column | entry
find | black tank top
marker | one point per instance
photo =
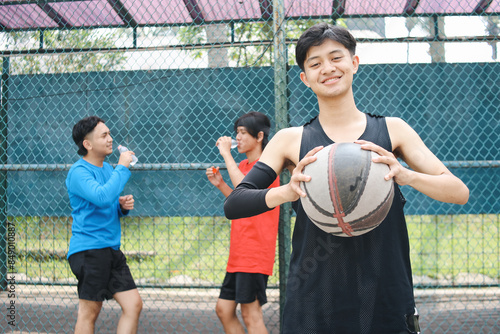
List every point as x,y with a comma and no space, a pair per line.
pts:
353,285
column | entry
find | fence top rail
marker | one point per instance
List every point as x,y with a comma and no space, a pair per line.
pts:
204,166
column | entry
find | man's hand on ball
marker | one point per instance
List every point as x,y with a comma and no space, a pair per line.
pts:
400,174
297,175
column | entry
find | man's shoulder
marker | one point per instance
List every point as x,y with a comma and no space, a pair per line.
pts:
394,119
76,173
396,124
79,164
283,149
288,139
290,132
400,132
82,167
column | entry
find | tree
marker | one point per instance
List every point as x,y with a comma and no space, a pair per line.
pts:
411,23
217,33
77,61
493,29
256,54
436,50
430,25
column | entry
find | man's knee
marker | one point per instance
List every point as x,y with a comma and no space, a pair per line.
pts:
225,310
130,302
252,313
136,306
133,307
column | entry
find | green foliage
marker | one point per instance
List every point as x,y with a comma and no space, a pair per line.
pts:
192,35
78,60
256,54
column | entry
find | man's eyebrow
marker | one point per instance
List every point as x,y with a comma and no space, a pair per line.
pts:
308,60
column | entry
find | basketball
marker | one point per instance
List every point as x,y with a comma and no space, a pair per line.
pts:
347,195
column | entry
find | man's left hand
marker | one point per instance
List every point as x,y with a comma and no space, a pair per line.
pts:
127,202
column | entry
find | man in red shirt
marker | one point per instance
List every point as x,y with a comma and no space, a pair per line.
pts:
253,239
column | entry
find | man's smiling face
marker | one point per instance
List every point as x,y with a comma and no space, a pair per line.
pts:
329,69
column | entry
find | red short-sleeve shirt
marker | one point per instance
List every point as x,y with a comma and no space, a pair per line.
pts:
253,239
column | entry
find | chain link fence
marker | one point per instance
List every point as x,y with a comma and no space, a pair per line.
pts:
170,78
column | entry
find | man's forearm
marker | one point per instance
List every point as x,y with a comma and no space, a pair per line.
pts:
249,197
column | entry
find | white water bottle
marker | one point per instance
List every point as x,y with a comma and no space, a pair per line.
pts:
234,143
124,149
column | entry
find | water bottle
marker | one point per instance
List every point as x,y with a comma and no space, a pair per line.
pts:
234,143
124,149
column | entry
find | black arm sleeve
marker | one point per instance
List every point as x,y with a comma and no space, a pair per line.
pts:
249,197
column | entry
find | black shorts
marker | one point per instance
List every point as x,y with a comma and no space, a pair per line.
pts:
244,288
101,273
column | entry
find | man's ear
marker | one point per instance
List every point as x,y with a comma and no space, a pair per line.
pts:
355,63
303,77
87,144
260,136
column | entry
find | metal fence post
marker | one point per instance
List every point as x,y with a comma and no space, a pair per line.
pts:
3,174
281,118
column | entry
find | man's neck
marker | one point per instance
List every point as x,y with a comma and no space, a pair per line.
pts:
254,154
337,111
341,120
93,160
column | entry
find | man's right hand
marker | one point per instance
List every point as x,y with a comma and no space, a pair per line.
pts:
291,191
224,145
297,176
126,158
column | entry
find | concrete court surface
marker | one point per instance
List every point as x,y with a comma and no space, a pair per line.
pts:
44,309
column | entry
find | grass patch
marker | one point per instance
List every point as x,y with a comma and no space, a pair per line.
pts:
443,246
161,248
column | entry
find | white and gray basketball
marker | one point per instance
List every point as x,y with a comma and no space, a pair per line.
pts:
347,195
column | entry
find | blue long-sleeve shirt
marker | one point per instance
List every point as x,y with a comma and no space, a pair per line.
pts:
93,193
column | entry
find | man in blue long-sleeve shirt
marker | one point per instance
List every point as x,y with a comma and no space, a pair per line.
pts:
94,254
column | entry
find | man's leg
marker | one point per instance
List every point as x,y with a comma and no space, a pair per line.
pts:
88,311
226,311
131,304
253,318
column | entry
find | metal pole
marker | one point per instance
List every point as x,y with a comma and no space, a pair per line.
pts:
41,39
3,174
281,117
134,37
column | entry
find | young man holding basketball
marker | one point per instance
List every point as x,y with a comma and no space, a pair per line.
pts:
253,239
94,254
361,284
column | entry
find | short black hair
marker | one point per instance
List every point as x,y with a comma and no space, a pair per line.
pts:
317,34
255,122
82,129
